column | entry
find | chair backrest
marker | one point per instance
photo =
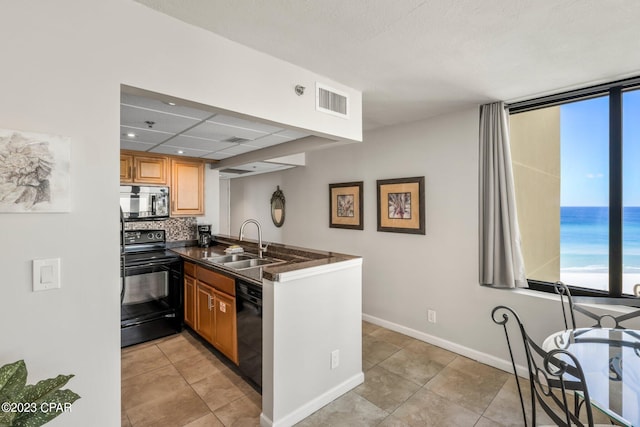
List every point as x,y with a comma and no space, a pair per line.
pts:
565,295
602,320
554,376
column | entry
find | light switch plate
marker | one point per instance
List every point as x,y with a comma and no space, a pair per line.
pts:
46,274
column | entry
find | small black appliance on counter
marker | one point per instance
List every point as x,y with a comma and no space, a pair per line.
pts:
204,235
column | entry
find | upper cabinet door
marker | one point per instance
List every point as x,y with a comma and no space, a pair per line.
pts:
126,168
150,170
143,169
187,187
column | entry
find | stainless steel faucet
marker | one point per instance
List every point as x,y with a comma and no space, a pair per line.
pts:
261,248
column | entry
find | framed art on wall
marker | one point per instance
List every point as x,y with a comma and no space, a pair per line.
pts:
401,205
345,205
34,172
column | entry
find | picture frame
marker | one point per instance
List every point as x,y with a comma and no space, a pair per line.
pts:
35,172
346,205
401,205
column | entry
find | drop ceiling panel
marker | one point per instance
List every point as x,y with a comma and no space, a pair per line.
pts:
242,123
238,149
154,104
198,143
134,145
209,128
144,135
137,117
167,149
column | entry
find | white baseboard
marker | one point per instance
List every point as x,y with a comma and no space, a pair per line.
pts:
312,406
487,359
265,421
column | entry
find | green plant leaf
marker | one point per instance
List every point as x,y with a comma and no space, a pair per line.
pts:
53,406
6,418
13,377
47,400
39,391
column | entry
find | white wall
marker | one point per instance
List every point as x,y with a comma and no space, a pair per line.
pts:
252,199
64,62
224,213
212,199
299,340
405,275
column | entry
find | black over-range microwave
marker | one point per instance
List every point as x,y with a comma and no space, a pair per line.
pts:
144,202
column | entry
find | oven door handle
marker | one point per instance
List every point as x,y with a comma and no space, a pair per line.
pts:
152,263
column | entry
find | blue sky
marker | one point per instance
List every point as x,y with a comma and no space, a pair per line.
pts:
584,133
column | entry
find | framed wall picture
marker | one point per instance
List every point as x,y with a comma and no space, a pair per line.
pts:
345,205
34,172
401,205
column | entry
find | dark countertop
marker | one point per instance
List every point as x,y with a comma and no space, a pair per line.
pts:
295,258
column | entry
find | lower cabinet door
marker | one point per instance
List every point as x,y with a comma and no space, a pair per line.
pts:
225,337
190,301
205,314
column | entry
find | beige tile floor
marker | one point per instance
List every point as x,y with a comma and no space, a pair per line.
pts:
177,381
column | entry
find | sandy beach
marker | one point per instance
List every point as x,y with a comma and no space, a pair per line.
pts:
599,280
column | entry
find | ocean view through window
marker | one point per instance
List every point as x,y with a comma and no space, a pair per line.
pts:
577,179
584,193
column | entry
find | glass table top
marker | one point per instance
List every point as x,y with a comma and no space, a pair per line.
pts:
610,359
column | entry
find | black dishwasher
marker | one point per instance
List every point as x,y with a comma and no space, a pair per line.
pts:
249,323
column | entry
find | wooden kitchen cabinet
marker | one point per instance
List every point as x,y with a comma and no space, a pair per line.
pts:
187,187
126,168
205,313
226,335
141,169
215,311
190,294
184,176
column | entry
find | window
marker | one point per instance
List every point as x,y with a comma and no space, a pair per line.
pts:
576,165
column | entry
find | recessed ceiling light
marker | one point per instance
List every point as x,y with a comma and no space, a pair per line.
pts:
131,135
173,104
180,152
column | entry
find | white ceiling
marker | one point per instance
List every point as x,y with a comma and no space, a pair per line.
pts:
150,123
414,59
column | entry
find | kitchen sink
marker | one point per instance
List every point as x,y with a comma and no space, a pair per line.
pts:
252,263
222,259
242,261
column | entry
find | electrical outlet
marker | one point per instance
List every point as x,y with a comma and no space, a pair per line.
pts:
335,359
431,316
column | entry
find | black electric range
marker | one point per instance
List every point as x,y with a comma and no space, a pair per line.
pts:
151,292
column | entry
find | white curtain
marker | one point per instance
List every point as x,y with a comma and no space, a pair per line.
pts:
501,262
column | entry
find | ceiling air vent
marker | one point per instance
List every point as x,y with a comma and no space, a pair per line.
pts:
236,140
331,101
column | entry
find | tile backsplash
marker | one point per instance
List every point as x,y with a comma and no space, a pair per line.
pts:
175,228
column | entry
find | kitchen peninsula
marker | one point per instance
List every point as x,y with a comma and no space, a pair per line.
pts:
311,324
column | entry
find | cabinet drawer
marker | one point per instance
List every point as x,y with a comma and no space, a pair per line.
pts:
217,280
189,269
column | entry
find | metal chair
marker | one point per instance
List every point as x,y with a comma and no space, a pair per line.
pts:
554,377
602,320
